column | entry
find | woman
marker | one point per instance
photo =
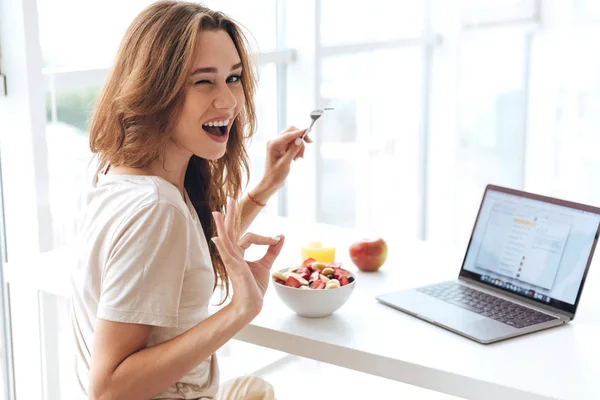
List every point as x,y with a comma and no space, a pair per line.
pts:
169,131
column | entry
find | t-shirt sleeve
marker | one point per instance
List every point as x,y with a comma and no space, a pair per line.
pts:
143,276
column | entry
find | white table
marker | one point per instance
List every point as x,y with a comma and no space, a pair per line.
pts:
367,336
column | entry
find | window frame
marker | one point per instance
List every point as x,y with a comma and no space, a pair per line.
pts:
8,373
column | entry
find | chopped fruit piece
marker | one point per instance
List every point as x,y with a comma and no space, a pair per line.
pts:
318,285
317,266
339,272
332,284
308,262
292,282
280,275
308,277
299,278
303,272
314,276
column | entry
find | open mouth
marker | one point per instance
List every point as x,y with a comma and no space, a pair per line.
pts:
216,128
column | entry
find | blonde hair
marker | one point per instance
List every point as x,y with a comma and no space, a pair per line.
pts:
142,101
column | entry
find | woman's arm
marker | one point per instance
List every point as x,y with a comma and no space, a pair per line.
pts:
124,368
250,209
280,154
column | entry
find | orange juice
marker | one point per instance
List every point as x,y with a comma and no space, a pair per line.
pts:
317,251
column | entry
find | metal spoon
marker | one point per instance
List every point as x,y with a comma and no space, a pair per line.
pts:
314,115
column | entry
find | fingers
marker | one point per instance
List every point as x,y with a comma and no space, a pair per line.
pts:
252,238
230,218
221,249
223,238
273,252
293,152
289,129
300,153
288,142
287,138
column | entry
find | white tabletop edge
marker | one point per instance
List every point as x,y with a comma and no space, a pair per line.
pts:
398,370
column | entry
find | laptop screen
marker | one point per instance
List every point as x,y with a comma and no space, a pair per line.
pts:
536,247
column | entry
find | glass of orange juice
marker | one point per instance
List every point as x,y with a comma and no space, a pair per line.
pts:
318,251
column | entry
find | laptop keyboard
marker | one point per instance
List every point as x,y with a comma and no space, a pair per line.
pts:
487,305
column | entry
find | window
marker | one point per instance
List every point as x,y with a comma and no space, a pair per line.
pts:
371,70
497,12
370,138
266,113
68,110
6,386
257,17
478,112
380,21
491,120
433,100
371,66
74,34
565,100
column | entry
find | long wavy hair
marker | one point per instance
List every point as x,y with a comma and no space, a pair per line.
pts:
142,101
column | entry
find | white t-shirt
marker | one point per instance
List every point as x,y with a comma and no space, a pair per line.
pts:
142,258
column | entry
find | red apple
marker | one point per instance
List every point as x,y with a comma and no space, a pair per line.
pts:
369,255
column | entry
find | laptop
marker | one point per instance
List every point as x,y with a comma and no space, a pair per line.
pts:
523,271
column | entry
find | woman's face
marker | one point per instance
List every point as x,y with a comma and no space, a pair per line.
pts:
213,98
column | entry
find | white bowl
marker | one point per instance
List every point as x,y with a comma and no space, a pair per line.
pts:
314,303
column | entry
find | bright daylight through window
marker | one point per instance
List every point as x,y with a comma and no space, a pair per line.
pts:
433,100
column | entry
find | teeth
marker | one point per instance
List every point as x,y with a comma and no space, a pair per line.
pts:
217,123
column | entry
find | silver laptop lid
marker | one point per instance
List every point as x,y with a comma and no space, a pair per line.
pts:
533,246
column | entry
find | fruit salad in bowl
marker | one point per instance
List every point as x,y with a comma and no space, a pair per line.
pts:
314,289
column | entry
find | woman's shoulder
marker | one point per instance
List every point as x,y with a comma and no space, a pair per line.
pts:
136,192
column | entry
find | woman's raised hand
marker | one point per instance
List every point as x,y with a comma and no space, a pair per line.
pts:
281,151
249,279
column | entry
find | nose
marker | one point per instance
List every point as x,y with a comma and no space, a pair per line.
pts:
224,99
